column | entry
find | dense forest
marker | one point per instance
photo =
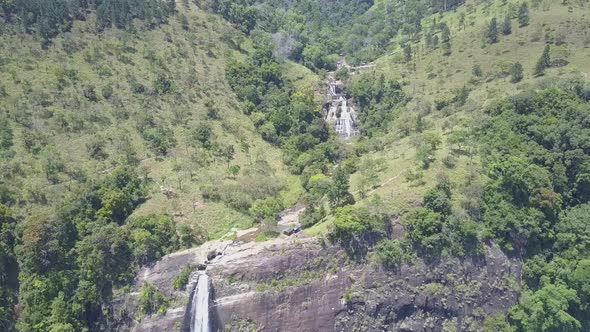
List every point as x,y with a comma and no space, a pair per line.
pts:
171,107
315,33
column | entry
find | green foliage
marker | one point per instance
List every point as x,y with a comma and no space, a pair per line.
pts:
152,301
50,17
316,56
516,72
407,48
338,194
6,134
476,70
492,31
242,13
378,100
356,228
88,237
536,203
282,116
438,199
445,39
461,96
523,14
369,170
8,268
390,253
425,232
544,61
426,146
151,237
312,216
181,279
164,85
342,74
315,32
266,208
203,134
507,26
442,102
546,310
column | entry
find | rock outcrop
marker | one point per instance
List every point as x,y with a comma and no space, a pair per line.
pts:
303,284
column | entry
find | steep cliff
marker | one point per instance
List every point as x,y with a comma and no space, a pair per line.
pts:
303,284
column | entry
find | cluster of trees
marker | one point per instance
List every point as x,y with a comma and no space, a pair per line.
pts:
432,39
283,116
316,32
72,257
242,13
494,28
378,100
537,203
50,17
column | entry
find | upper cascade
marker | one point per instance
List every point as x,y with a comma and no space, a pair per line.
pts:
339,111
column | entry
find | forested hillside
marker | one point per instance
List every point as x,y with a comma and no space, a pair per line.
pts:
132,129
119,144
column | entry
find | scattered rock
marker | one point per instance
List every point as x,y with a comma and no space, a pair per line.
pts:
211,254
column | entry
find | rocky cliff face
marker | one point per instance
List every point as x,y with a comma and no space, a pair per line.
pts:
308,285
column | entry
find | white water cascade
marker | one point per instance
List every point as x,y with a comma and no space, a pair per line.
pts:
345,125
200,306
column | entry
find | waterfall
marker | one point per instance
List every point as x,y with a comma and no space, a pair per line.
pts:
200,306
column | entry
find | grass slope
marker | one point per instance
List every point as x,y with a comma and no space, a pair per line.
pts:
431,75
46,96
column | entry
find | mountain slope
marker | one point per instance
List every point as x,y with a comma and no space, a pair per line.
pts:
101,127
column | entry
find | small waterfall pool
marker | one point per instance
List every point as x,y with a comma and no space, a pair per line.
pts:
200,305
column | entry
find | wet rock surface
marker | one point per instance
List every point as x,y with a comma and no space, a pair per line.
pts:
304,284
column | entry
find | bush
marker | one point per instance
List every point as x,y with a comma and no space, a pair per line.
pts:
266,208
181,279
390,253
425,232
313,216
442,102
356,228
152,301
449,161
236,199
152,237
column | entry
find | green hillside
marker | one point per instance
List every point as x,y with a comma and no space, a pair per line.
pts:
136,128
93,102
433,78
150,100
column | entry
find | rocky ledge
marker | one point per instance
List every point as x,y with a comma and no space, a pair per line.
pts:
303,284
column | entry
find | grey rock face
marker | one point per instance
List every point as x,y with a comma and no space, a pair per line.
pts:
306,285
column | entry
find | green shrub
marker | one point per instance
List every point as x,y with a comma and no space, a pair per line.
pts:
152,300
266,208
181,279
390,253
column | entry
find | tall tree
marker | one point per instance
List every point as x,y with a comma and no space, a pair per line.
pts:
492,31
507,26
446,38
523,14
516,72
543,62
407,52
338,193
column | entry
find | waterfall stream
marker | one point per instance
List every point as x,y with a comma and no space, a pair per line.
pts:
200,306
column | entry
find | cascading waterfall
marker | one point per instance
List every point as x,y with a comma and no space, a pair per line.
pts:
200,306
